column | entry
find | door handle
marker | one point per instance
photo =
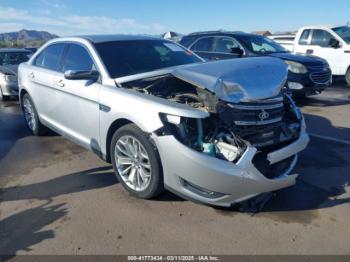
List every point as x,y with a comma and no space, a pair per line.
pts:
31,75
60,83
309,51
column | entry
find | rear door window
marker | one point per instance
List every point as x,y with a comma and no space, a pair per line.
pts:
77,58
50,57
225,45
304,37
204,45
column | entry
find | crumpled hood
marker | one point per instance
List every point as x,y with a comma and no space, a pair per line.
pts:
9,69
237,80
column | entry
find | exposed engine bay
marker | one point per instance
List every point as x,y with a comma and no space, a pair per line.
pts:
265,124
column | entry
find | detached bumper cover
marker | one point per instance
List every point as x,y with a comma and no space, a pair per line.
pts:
236,182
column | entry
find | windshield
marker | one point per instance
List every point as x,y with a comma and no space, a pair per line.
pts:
123,58
13,58
261,45
343,32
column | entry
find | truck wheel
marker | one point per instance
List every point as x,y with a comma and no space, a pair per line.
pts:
347,77
136,162
31,116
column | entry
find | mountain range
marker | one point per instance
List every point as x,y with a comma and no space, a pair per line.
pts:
26,36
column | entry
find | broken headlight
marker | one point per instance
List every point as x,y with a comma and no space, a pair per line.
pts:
204,136
187,130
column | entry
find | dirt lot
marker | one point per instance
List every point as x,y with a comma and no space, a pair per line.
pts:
57,198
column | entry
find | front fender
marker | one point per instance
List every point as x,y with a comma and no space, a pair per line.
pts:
141,109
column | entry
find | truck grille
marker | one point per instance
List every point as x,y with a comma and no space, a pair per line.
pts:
320,74
321,77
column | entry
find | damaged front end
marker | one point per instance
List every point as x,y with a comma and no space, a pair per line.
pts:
251,137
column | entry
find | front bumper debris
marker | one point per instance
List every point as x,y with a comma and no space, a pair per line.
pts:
229,182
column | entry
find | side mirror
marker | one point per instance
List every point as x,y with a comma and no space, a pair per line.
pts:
236,50
81,75
334,43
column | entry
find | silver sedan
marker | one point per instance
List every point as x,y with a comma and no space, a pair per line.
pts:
216,132
10,58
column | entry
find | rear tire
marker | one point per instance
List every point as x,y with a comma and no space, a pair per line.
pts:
136,162
347,77
31,116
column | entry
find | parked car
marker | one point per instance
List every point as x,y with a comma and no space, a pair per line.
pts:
217,132
285,40
32,49
332,43
10,58
307,75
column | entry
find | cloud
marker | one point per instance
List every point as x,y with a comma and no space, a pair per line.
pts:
76,24
12,14
53,4
8,27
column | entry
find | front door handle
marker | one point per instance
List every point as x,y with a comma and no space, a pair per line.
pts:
309,51
60,83
31,75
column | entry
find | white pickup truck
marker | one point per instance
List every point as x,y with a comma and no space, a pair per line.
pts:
328,42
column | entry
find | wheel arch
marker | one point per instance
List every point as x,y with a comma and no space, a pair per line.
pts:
111,130
21,94
347,76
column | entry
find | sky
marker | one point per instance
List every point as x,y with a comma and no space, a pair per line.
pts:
71,17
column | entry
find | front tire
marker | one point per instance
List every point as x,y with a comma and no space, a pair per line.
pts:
347,77
31,116
136,162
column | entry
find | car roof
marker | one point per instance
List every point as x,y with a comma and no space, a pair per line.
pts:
8,50
111,38
219,32
322,26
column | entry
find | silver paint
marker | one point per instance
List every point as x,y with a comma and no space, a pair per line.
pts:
73,110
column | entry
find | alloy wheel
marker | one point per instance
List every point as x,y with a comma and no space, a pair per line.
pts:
29,113
133,163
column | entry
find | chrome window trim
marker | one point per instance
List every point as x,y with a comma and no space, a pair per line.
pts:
85,43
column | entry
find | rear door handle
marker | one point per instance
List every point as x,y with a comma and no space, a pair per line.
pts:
309,51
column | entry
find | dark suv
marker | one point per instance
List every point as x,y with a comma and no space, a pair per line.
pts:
307,75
